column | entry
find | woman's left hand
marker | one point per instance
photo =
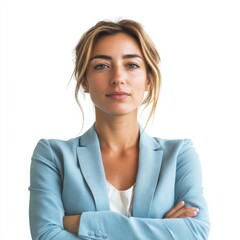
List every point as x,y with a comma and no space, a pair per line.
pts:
181,211
71,223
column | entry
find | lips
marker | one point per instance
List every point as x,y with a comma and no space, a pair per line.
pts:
118,95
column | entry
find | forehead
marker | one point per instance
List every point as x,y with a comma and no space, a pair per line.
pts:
117,43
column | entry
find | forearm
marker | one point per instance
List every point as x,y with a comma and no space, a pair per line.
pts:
43,223
185,226
119,227
54,233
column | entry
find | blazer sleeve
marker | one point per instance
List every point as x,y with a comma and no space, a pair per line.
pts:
46,208
188,187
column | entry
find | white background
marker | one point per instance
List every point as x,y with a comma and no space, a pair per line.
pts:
199,45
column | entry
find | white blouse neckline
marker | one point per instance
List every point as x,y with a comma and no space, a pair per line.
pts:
120,200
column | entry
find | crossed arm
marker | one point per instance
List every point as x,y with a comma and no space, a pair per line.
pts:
47,220
71,223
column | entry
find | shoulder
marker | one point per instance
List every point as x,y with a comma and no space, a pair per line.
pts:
55,146
182,150
166,145
60,149
170,144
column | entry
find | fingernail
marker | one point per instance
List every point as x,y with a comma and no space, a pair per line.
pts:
196,211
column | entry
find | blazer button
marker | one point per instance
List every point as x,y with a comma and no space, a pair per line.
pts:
105,236
90,234
97,235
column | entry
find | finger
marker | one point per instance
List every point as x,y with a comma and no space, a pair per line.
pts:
175,209
186,212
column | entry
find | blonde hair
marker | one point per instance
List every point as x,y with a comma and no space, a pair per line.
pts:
88,40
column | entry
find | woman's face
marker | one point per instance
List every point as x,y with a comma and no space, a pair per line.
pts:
116,75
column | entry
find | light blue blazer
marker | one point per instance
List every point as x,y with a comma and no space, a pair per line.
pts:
67,178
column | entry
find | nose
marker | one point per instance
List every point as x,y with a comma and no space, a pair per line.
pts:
117,76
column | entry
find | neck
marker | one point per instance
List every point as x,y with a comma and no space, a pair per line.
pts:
117,133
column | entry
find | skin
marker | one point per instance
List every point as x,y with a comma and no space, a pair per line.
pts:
116,80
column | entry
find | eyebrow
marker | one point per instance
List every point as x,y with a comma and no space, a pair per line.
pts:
110,58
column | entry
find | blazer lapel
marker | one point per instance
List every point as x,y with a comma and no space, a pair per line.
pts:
90,160
150,160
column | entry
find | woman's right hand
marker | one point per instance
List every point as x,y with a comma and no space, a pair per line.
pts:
181,211
71,223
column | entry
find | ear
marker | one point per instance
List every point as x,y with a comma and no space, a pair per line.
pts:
85,85
147,87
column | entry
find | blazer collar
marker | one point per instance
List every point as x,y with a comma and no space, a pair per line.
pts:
150,159
90,160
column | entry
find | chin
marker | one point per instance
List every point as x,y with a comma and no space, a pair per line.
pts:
119,113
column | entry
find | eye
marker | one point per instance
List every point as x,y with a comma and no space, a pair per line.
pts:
101,66
132,66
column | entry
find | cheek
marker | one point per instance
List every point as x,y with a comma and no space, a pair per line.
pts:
139,78
97,81
140,90
96,87
140,83
96,90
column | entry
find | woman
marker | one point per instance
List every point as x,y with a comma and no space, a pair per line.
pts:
115,181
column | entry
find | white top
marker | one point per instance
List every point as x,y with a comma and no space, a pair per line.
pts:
120,201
